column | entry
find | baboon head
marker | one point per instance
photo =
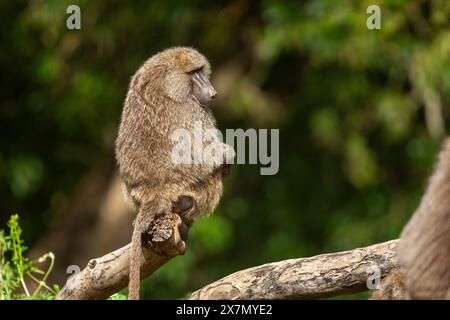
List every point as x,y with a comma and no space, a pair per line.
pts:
179,74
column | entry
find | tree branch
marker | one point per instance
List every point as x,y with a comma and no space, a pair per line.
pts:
109,274
320,276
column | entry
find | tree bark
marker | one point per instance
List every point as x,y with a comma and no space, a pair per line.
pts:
320,276
109,274
316,277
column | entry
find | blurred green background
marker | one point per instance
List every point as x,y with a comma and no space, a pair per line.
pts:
361,115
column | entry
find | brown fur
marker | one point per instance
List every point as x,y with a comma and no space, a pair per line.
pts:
159,100
424,248
392,287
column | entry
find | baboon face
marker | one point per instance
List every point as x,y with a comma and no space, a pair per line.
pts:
186,75
202,90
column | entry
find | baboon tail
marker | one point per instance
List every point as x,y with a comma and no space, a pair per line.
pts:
144,218
135,265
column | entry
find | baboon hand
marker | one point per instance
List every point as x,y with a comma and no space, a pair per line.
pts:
226,170
183,204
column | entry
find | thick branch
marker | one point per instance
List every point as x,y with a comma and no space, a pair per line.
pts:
110,273
320,276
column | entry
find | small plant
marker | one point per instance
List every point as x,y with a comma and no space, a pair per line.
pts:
16,270
118,296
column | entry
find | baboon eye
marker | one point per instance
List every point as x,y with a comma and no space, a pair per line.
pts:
195,70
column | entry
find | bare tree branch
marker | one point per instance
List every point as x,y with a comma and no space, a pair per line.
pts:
109,274
320,276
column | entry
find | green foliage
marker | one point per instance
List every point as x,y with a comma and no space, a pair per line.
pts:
118,296
16,269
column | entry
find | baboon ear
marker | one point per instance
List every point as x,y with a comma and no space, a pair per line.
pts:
177,86
149,80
